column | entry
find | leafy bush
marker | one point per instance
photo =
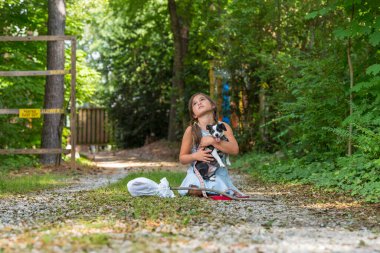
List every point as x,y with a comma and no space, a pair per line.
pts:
357,175
14,162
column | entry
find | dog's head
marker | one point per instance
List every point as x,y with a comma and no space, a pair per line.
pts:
217,130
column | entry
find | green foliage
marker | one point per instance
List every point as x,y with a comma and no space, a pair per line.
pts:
373,69
367,141
13,162
358,175
317,101
135,56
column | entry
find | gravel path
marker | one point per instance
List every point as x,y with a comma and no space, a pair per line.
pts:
29,209
279,226
260,227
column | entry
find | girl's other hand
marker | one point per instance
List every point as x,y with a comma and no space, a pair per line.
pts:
203,155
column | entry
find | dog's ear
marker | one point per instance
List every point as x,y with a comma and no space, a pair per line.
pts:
209,127
223,127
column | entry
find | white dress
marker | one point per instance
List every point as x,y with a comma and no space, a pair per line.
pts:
222,180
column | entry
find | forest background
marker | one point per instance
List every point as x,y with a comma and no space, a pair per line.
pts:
304,79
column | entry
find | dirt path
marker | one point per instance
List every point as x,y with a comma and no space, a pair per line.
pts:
25,210
294,222
283,226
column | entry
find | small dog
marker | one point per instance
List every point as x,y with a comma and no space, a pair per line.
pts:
217,131
208,170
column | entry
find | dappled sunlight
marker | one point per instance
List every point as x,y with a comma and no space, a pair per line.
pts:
277,193
27,183
135,164
129,161
334,205
100,225
79,234
82,235
255,194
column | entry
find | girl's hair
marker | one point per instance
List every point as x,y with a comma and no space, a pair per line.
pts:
195,128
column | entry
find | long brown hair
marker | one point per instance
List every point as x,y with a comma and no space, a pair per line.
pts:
195,128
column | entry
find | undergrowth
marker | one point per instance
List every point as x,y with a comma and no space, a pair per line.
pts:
15,162
356,175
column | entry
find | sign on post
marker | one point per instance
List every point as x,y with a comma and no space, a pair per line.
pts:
29,113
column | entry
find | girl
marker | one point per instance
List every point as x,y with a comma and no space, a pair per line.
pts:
202,111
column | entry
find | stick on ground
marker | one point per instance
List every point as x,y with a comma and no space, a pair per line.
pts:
221,193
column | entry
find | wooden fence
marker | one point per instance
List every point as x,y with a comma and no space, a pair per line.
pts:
92,126
36,112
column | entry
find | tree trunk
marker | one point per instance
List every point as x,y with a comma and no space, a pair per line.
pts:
211,75
351,71
54,88
278,31
180,36
262,115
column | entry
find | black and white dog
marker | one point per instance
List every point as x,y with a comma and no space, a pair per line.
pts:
217,131
206,171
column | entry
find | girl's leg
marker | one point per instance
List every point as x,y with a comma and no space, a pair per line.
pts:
195,193
222,173
190,180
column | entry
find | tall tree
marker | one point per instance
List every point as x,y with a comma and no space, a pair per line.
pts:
351,71
180,30
54,88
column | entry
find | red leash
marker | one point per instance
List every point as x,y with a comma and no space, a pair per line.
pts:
201,181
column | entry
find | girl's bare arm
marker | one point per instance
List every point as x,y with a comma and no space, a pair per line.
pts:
185,155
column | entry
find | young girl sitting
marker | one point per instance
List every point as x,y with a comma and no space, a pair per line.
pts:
203,112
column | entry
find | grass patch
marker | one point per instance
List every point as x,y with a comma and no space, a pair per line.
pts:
27,183
98,239
98,217
81,161
174,178
115,200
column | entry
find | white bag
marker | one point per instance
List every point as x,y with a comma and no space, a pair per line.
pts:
142,186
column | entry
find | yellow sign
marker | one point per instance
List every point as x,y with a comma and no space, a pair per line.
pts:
29,113
52,111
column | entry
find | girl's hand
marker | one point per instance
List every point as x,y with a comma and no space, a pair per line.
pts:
203,155
207,141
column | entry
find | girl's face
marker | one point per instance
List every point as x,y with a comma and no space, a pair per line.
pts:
201,105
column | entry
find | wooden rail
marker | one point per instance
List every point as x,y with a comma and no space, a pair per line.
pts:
37,151
72,72
43,111
35,73
37,38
